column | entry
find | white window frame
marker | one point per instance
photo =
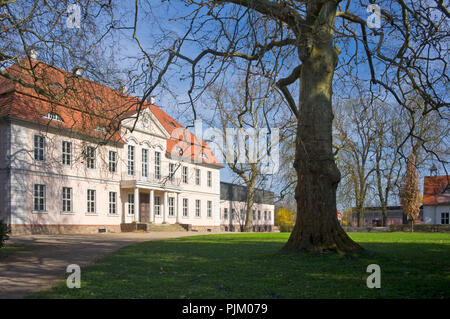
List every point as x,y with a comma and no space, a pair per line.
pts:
198,176
209,209
157,165
67,201
225,213
91,201
37,197
446,218
112,204
131,209
184,174
171,172
131,150
112,162
91,157
198,208
185,207
66,153
144,162
209,178
39,148
157,206
171,206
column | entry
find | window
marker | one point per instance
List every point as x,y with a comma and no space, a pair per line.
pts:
198,212
269,215
259,215
171,171
185,207
185,174
39,197
53,117
209,209
197,176
112,203
242,214
39,145
157,165
91,201
233,214
67,199
90,157
254,214
225,213
445,218
157,205
144,162
265,215
66,153
171,206
130,204
209,179
112,161
130,160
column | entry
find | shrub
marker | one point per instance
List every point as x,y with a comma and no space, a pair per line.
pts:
4,231
285,220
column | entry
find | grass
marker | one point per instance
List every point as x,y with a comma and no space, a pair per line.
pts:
413,265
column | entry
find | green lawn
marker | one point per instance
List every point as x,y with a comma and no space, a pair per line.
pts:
413,265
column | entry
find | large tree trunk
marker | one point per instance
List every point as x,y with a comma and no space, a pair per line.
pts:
248,227
317,228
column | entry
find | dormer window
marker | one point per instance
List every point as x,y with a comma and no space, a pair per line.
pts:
178,149
101,129
53,117
56,85
97,99
172,124
203,155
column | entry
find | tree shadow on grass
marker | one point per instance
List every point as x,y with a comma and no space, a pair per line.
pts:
196,267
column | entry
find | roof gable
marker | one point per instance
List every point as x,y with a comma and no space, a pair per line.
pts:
436,190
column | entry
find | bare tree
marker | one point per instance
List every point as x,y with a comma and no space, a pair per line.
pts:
245,111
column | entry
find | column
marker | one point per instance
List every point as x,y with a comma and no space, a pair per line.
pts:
152,206
165,208
178,209
136,205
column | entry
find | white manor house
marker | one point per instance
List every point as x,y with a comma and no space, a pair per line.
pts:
77,158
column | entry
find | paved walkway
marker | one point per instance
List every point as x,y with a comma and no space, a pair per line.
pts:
45,260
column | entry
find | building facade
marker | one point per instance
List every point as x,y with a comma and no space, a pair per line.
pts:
436,200
373,216
233,208
91,161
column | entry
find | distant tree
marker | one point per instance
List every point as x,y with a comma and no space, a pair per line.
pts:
409,194
285,219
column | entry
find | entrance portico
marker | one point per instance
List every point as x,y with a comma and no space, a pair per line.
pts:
155,204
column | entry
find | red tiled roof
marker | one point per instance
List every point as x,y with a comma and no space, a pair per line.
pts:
84,105
436,190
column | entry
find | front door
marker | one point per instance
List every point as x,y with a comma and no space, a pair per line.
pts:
144,207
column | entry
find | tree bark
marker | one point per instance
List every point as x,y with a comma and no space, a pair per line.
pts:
317,228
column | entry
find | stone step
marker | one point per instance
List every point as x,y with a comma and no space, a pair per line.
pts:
166,228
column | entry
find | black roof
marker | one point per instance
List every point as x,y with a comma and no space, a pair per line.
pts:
234,192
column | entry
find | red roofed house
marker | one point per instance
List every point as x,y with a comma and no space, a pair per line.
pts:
75,157
436,199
